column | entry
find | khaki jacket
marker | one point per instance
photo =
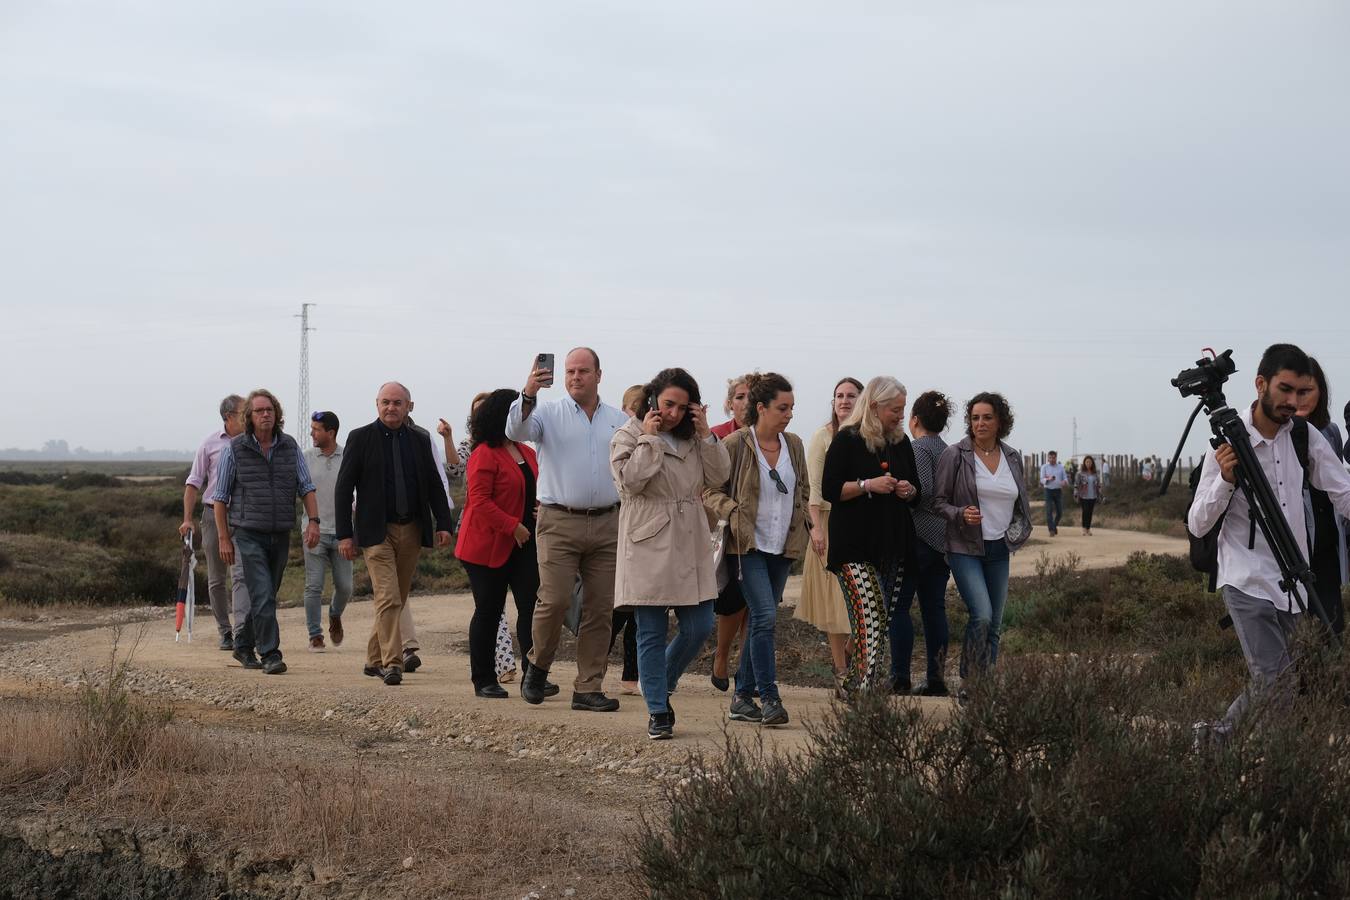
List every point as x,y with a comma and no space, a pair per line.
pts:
737,501
665,547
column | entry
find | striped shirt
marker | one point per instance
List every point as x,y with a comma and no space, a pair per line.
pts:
928,525
225,469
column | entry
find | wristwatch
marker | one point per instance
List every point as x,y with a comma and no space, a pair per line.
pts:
862,486
314,519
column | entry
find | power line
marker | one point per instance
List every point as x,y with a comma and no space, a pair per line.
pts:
302,428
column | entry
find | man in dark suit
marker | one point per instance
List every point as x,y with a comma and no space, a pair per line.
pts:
400,508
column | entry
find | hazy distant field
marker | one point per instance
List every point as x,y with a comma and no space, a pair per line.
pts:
135,467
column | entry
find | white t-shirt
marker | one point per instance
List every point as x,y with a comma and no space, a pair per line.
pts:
997,492
775,507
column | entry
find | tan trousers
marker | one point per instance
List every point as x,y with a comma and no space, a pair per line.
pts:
570,544
391,565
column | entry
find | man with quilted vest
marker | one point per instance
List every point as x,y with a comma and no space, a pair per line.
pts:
260,474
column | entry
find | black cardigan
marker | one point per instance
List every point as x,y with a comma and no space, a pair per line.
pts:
876,529
362,472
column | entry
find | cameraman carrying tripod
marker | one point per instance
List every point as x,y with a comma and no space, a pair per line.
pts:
1263,612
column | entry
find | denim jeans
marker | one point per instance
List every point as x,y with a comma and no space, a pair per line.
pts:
263,556
983,583
927,578
660,665
763,577
323,557
1054,508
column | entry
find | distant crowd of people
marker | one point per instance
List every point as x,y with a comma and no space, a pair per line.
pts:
614,519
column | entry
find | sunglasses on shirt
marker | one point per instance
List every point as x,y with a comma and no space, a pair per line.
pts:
778,481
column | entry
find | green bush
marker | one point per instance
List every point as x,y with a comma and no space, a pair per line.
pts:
1055,780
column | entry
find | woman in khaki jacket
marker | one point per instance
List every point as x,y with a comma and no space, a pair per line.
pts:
662,463
764,503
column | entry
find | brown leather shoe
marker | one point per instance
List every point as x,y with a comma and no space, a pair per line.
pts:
316,644
335,630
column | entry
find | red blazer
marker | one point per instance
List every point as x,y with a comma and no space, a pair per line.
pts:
494,504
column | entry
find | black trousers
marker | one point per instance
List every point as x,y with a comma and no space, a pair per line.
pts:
624,621
520,573
1087,506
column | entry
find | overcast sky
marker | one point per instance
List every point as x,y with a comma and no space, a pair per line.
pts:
1062,201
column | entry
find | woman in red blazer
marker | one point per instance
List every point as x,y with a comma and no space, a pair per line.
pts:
496,537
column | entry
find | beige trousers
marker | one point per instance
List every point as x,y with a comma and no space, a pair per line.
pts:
571,544
391,565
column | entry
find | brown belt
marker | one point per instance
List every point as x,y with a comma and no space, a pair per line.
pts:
595,511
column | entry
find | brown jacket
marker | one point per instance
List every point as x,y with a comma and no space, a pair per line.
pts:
954,490
665,547
737,500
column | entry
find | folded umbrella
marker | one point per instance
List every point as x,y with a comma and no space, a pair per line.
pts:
186,599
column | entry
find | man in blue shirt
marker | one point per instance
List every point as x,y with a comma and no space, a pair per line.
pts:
578,527
1053,479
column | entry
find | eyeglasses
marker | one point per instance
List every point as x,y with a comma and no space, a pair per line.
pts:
778,481
318,416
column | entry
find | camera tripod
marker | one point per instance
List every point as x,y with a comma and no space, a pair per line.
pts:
1263,506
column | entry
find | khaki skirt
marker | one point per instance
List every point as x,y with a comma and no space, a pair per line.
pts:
822,600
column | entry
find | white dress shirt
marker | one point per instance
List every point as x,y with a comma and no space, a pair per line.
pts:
573,450
998,494
1254,571
775,506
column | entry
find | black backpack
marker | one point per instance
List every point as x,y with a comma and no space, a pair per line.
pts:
1204,550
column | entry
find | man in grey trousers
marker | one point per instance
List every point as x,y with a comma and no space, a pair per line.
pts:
1264,616
201,481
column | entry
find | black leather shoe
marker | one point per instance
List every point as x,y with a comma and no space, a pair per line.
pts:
720,683
393,675
373,671
492,692
247,659
671,710
550,689
533,684
227,642
411,661
932,689
274,666
594,701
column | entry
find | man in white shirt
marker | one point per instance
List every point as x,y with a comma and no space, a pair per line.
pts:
578,528
325,460
1053,479
1263,615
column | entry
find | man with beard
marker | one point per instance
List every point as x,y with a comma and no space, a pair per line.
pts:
1264,616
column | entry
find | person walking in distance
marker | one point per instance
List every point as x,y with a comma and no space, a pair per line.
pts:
764,503
262,471
578,529
1087,490
1291,454
201,482
734,406
324,460
662,464
400,508
730,604
1053,479
1326,529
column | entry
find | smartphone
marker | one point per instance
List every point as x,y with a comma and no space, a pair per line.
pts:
545,361
651,403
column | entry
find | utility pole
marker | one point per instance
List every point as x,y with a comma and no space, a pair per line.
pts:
302,418
1075,437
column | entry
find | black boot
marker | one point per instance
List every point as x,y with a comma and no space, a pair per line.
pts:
532,683
550,689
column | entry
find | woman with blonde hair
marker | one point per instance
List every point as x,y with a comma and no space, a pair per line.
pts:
822,601
730,605
871,481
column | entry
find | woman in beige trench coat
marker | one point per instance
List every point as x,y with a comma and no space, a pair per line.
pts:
662,463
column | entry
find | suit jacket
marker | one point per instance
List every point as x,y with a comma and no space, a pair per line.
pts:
362,472
494,504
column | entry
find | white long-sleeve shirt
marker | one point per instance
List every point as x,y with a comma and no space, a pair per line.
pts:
1254,571
573,450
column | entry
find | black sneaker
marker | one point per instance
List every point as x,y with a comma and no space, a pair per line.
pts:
393,675
248,659
902,687
227,642
540,686
743,709
411,661
932,689
660,726
372,671
773,713
274,666
593,701
671,711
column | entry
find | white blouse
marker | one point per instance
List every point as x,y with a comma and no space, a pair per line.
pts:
775,507
997,492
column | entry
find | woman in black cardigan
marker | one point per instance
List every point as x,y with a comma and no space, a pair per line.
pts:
871,481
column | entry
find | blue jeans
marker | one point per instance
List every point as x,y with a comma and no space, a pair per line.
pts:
323,557
763,577
1054,508
263,556
660,665
983,583
927,578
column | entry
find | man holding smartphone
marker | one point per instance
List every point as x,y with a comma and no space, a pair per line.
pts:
578,526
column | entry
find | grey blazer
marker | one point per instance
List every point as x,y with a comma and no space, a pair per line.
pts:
954,490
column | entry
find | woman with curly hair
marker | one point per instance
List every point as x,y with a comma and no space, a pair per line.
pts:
981,491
